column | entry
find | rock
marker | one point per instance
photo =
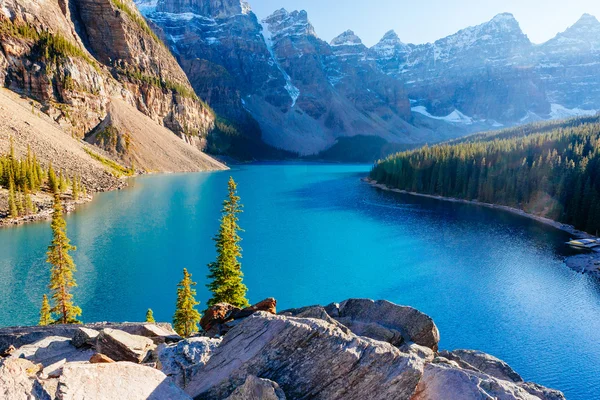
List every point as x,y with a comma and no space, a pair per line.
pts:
220,318
179,360
18,380
52,350
122,346
84,337
317,312
121,380
446,380
308,358
99,358
383,320
268,305
485,363
159,334
257,389
542,392
217,314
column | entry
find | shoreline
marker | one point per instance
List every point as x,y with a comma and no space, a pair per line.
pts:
586,263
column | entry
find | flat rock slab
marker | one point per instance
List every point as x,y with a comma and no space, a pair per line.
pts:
485,363
122,380
122,346
52,350
18,380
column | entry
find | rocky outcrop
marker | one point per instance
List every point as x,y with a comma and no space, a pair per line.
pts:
77,59
307,358
302,353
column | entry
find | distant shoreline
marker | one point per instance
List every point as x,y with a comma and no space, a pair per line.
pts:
584,263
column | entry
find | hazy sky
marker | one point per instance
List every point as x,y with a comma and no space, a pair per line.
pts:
426,21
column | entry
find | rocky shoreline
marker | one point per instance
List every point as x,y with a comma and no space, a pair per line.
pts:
351,350
584,263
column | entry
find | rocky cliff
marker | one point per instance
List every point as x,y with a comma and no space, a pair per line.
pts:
306,95
77,57
303,93
356,349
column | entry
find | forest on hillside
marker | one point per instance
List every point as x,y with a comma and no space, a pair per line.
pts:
550,169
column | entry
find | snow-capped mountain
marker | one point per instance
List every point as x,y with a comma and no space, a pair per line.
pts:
276,82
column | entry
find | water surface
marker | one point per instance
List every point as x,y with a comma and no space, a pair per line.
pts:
315,234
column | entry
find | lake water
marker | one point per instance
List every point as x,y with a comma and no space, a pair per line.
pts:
315,234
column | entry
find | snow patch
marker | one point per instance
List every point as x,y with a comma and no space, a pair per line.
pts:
561,112
455,117
293,91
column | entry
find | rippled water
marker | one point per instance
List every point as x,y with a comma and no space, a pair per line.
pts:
316,234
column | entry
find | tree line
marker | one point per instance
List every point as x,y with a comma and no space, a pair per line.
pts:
25,176
225,273
550,169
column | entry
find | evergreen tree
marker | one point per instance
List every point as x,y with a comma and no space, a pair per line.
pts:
52,180
186,318
226,272
13,211
45,314
150,316
63,267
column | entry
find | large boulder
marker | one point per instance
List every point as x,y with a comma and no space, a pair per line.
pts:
179,360
122,346
159,334
122,380
386,321
19,381
445,379
308,358
84,337
484,363
257,389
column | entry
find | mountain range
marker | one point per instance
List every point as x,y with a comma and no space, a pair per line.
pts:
275,80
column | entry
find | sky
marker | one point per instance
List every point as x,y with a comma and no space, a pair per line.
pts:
428,20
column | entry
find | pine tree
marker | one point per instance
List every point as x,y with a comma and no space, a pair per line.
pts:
63,267
13,211
150,316
75,189
52,180
45,314
226,272
186,318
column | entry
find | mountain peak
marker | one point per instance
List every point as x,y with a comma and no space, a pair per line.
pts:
347,38
390,36
209,8
285,23
587,20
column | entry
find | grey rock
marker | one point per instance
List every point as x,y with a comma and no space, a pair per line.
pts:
446,380
386,321
318,312
485,363
542,392
179,360
52,350
122,346
257,389
18,380
121,380
308,358
159,334
84,337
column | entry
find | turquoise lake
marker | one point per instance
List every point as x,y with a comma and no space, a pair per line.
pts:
315,234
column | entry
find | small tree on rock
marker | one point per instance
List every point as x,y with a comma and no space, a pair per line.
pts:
186,318
63,267
45,314
226,272
150,316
